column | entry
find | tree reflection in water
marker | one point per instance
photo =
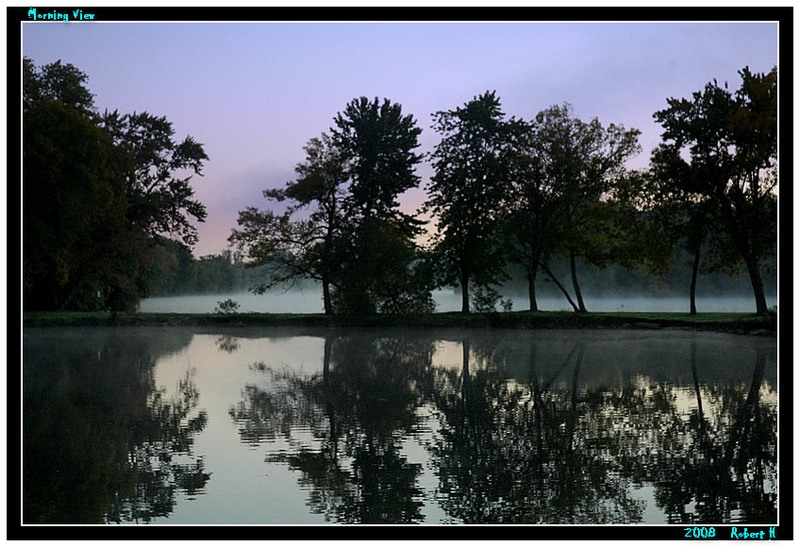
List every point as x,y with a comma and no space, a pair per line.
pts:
551,452
524,454
358,410
100,443
549,444
723,464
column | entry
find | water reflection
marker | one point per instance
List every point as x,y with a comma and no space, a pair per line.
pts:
358,410
551,451
724,463
100,442
556,427
515,453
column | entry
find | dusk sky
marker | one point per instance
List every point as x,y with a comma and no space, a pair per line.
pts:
254,93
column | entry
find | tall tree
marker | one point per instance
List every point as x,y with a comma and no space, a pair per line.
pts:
302,241
377,142
71,207
377,251
578,166
469,190
722,147
678,218
342,225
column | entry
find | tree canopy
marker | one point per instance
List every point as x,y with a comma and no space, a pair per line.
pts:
509,195
720,148
341,224
99,191
469,191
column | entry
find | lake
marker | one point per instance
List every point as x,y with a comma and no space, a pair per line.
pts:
174,425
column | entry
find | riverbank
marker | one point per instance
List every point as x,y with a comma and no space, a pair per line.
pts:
740,323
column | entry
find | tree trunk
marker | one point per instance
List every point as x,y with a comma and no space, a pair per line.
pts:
574,272
758,285
693,283
326,297
560,286
464,292
532,284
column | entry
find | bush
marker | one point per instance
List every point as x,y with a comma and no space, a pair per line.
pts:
485,300
226,307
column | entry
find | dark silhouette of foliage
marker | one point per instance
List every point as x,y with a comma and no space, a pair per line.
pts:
342,225
302,241
469,192
720,148
149,160
98,191
567,170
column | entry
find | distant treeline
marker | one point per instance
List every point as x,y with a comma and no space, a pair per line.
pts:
177,272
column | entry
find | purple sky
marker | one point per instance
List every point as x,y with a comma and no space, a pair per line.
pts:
255,93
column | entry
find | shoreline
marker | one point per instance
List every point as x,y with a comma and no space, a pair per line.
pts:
736,323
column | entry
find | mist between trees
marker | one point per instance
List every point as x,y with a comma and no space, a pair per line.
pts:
542,205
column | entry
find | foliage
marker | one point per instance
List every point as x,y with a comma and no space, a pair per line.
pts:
226,307
301,242
377,143
97,193
342,225
149,159
73,210
485,300
469,191
376,250
569,168
720,148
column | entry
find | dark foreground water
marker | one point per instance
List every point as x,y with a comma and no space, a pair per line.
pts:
274,426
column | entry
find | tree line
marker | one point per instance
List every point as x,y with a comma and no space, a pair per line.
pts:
109,210
509,194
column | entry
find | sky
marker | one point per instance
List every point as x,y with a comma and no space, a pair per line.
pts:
254,93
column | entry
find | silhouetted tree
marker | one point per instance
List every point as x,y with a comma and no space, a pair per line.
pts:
575,166
377,250
302,241
72,208
98,191
469,191
721,147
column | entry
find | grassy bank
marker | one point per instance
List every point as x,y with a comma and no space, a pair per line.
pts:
722,322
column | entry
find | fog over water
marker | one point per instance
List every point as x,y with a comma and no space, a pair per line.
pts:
310,301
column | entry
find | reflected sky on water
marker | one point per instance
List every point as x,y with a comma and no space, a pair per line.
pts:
298,426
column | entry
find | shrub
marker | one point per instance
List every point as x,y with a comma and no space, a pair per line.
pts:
226,307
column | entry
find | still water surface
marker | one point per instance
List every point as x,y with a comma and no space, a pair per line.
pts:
289,426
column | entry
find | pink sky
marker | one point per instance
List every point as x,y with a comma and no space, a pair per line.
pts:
254,93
